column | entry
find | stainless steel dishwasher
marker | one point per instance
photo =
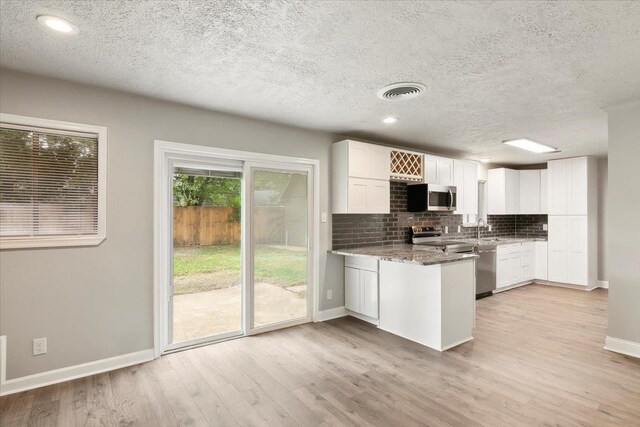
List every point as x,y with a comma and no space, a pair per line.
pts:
486,271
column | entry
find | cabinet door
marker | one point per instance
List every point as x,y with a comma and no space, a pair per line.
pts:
445,171
430,169
577,253
529,192
461,188
352,289
515,269
558,235
369,293
496,191
577,191
379,162
557,187
377,196
540,262
503,270
512,191
544,192
470,188
359,159
357,195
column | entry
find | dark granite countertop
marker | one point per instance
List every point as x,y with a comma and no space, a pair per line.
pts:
411,254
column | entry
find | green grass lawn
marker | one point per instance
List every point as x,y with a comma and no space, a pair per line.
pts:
212,267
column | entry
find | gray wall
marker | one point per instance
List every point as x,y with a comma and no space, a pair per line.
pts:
603,212
624,234
97,302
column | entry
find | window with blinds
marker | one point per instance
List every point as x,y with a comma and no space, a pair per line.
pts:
49,185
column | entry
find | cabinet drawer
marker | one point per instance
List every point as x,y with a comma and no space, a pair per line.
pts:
510,248
361,262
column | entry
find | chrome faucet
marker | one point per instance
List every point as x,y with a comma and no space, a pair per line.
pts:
478,227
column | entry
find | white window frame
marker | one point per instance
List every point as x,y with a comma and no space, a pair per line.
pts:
38,124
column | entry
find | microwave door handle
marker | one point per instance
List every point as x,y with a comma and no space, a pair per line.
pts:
450,199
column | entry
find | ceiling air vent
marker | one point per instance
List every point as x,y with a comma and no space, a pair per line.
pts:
401,91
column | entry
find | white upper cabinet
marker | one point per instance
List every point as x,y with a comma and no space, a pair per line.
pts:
438,170
557,182
577,186
530,195
360,174
466,182
570,184
544,192
504,191
365,160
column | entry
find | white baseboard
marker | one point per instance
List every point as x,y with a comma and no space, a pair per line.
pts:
332,313
603,284
72,372
629,348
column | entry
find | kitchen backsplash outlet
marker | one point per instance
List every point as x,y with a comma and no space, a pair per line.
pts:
358,230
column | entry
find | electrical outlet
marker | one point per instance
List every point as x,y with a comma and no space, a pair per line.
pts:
545,227
489,227
446,229
39,346
329,294
323,217
459,228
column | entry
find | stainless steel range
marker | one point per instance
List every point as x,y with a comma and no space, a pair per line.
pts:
429,236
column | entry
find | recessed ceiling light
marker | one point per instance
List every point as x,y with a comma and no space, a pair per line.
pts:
529,145
57,24
389,120
485,160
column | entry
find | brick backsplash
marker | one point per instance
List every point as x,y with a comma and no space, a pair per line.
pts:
357,230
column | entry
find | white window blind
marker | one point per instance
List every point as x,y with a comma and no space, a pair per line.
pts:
48,183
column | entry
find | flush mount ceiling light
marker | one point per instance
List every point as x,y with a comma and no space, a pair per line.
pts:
57,24
401,91
389,120
529,145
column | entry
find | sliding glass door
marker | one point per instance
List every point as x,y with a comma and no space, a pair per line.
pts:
235,245
279,253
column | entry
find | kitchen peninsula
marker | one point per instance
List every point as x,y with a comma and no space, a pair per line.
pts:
418,293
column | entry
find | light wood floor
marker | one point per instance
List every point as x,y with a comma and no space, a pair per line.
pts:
537,359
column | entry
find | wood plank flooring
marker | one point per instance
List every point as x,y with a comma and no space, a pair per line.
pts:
537,359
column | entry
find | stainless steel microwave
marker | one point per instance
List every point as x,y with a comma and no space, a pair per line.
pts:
430,197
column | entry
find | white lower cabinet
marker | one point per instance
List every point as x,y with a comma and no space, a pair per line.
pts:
540,264
516,263
361,286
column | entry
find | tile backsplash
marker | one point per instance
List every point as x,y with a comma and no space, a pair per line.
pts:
357,230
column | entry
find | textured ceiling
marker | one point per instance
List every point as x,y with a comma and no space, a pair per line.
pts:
493,70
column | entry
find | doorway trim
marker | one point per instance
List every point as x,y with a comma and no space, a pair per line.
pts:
165,154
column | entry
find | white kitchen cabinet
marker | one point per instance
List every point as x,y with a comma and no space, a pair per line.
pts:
569,260
540,263
504,191
558,235
530,195
527,261
557,182
544,192
573,221
367,196
360,174
438,170
361,286
466,182
508,265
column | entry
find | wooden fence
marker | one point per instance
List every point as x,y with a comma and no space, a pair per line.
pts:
208,225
